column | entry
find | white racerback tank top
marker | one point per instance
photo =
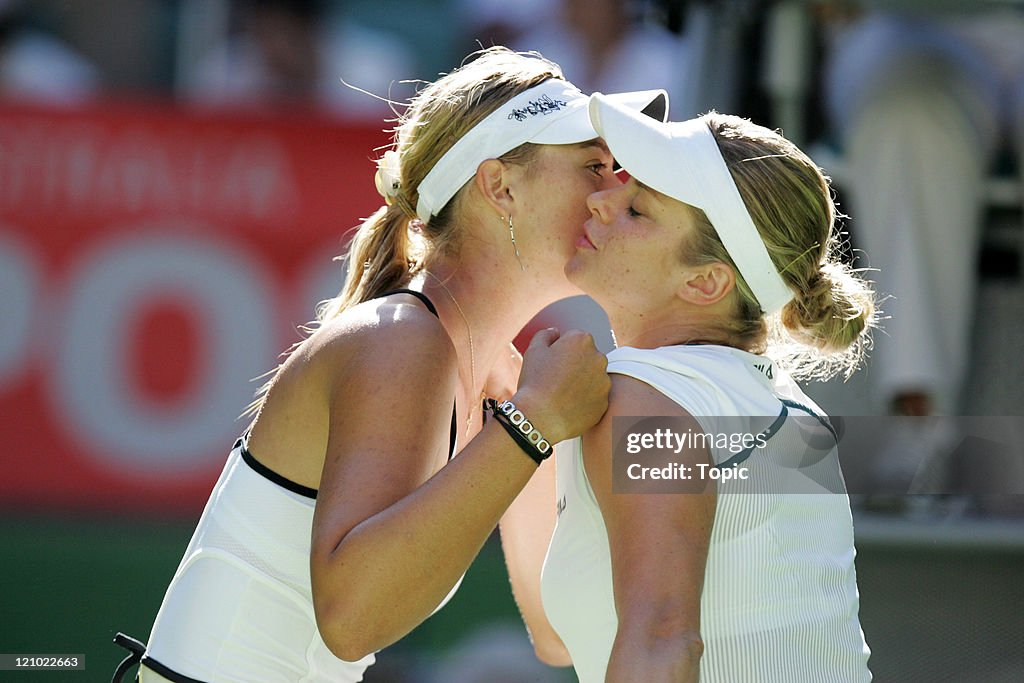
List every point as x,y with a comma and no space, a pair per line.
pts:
780,597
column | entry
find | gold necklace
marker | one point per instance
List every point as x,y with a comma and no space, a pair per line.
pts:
472,353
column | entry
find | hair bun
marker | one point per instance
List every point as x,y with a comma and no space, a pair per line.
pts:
833,312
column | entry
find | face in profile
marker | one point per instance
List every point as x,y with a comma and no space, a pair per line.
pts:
631,246
556,187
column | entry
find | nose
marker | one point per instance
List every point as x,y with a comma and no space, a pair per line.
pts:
601,203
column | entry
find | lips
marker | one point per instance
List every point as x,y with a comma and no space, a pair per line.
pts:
584,241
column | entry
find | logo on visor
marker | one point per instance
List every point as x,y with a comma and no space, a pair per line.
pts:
544,105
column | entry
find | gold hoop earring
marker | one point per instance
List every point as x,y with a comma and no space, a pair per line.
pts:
512,234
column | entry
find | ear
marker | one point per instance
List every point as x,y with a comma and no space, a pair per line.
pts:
493,182
707,284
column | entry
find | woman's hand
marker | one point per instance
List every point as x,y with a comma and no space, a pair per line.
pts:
563,387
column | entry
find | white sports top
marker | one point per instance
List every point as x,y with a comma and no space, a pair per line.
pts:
240,605
780,597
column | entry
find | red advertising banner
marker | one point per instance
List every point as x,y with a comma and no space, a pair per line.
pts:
153,262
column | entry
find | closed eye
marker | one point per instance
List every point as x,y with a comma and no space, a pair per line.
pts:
633,212
598,168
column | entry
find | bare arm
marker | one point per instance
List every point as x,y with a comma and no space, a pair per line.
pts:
526,530
659,545
384,527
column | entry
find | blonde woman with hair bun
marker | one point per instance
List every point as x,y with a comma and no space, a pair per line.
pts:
717,263
368,479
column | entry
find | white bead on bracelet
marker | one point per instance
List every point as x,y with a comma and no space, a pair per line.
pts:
524,427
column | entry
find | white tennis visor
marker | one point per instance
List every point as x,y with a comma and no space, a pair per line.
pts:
551,113
682,160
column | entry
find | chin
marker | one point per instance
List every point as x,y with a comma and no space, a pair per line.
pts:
576,271
573,267
577,281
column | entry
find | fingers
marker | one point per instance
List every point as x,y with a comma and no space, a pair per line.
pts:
582,342
545,337
564,382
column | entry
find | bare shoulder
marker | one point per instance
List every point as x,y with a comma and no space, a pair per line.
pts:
631,396
390,373
377,322
348,366
380,332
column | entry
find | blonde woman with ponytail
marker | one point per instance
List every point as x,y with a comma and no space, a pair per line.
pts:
717,265
369,477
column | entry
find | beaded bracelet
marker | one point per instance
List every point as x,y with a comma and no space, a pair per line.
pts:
520,429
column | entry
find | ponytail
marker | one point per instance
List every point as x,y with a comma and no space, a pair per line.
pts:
379,259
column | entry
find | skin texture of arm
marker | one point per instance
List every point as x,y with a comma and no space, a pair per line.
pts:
394,529
659,545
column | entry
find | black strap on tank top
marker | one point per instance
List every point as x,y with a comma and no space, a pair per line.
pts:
430,307
305,491
267,473
419,295
138,656
136,651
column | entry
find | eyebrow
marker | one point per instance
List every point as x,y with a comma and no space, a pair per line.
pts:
597,142
654,194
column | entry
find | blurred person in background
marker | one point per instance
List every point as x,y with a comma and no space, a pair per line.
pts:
608,48
341,519
497,22
297,52
717,263
36,66
923,104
